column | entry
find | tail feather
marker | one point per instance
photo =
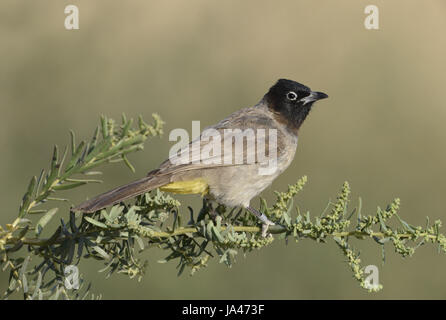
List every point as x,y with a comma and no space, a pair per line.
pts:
122,193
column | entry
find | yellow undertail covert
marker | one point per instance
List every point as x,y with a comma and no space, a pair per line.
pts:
196,186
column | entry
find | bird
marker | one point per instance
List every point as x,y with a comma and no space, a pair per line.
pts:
230,178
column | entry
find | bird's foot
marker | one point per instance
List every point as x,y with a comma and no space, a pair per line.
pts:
265,221
265,227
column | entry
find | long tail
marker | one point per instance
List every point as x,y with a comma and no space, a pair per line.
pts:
122,193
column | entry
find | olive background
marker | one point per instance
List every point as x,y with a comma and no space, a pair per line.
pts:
382,129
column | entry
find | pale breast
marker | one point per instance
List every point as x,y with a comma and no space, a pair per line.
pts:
237,185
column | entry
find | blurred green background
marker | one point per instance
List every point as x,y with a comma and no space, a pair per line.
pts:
382,128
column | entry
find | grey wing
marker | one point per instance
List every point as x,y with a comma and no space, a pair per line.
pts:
203,152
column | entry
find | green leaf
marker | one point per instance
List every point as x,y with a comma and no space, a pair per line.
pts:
74,158
62,161
101,252
381,221
37,211
73,142
24,284
27,197
406,226
290,206
127,163
54,170
139,241
96,223
67,186
126,127
39,182
217,234
37,285
44,220
104,127
91,173
24,266
95,138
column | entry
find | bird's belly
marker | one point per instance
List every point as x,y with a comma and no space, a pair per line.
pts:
236,186
231,185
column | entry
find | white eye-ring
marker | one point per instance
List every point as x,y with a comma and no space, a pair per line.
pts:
291,95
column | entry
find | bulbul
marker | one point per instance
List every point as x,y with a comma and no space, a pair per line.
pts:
231,175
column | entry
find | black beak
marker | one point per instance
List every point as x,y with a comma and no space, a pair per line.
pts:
314,96
319,95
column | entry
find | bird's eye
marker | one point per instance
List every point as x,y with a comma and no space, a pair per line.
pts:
291,95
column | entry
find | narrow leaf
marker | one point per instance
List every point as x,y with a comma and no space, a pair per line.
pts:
95,222
44,220
69,186
27,197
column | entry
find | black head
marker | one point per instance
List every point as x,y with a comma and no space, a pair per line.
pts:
292,101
